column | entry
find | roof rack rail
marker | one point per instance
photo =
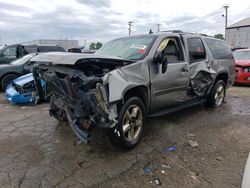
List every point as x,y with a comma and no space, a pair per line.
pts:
181,32
173,31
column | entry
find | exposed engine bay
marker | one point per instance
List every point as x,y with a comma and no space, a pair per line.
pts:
77,93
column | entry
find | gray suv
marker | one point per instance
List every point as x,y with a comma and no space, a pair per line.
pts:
134,77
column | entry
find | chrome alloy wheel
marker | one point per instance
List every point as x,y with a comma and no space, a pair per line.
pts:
219,94
132,123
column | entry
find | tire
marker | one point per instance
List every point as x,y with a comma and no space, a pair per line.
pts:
217,94
7,79
131,124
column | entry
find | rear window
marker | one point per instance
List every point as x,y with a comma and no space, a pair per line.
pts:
50,49
219,49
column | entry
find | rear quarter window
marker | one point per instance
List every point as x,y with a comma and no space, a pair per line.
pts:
196,49
219,49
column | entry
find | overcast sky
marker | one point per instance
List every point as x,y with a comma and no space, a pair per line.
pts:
102,20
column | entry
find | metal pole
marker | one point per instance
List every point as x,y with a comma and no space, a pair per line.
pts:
129,27
226,9
158,27
85,41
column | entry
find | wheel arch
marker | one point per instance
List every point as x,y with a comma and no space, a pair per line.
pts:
16,73
222,76
2,76
141,92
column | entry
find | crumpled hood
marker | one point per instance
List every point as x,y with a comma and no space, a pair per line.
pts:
24,79
72,58
242,62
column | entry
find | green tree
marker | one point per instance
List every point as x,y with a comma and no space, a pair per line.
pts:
92,46
98,45
219,36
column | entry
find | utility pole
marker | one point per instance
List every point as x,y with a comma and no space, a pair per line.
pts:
158,27
226,12
129,27
85,41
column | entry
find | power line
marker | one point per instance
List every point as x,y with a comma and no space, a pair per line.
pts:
129,27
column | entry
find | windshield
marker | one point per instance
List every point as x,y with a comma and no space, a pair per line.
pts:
22,60
129,48
242,55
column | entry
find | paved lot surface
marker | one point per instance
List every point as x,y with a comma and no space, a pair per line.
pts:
37,151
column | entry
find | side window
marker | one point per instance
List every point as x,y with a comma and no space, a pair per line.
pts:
219,49
10,52
50,49
196,50
30,49
171,50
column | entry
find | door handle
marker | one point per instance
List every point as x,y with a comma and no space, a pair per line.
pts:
183,69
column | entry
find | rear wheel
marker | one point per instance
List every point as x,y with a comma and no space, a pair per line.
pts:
131,123
217,95
7,79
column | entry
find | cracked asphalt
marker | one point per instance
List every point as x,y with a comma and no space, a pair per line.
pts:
37,151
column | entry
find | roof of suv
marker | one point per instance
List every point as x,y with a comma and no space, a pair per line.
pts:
178,33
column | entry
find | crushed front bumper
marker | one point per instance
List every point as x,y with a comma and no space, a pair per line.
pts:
80,100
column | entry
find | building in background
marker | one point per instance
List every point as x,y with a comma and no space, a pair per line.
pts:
238,34
66,44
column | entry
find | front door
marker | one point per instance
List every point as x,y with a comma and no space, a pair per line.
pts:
8,54
170,88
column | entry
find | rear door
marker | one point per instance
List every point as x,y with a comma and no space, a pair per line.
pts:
170,88
200,72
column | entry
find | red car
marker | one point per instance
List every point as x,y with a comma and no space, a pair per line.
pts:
242,61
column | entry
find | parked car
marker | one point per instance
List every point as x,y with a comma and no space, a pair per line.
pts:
134,77
13,70
234,48
23,90
12,52
242,60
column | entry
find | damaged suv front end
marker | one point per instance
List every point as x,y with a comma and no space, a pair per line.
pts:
85,89
79,96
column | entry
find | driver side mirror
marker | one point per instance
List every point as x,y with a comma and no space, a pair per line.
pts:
161,59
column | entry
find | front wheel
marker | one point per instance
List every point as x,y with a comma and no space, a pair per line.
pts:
217,95
131,124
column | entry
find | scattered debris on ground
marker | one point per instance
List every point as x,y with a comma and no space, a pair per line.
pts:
170,149
193,143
